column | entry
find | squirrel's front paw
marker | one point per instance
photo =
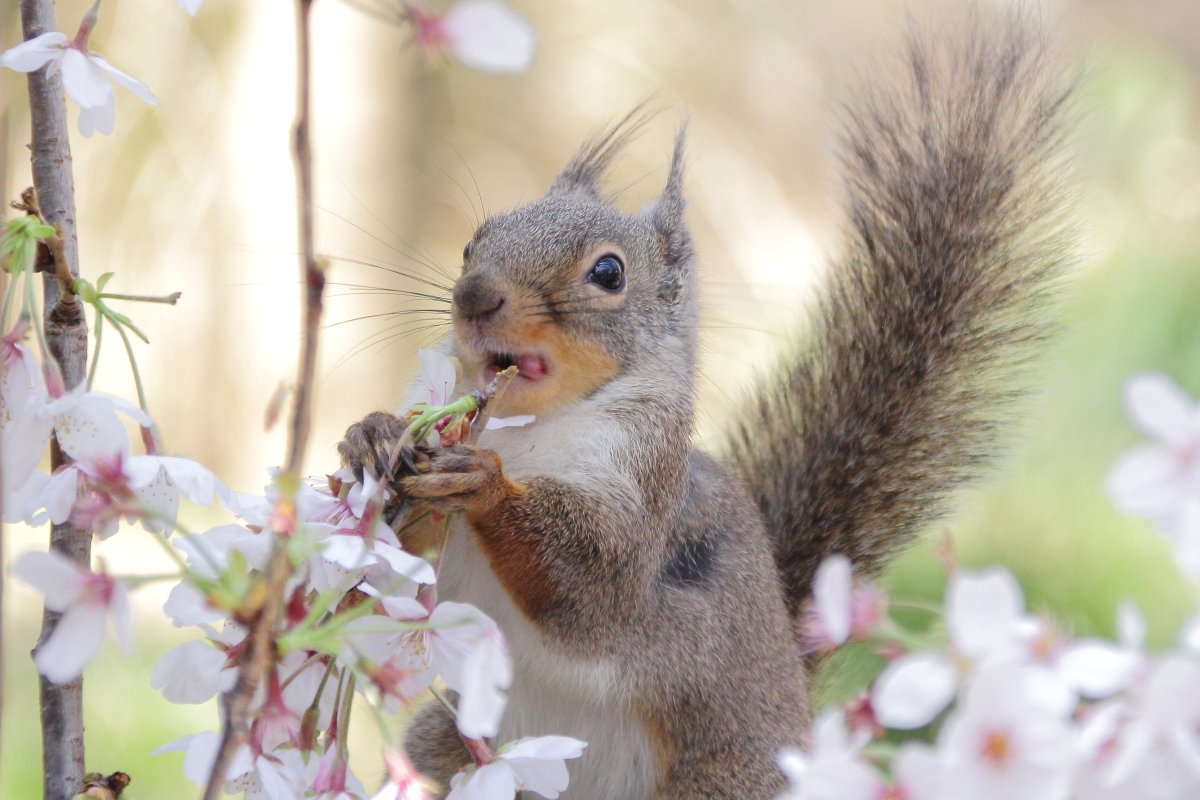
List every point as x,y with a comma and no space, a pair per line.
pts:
459,478
368,446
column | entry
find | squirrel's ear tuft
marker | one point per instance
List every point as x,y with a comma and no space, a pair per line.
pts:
586,169
670,224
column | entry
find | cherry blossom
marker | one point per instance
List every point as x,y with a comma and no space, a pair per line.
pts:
24,429
85,599
841,611
986,621
1097,668
833,769
1004,741
533,764
483,34
1163,731
1161,480
200,753
439,376
467,650
85,75
193,672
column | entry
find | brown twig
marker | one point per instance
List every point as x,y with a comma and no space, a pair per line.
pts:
260,653
66,334
55,244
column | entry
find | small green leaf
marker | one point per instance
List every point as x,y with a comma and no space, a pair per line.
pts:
84,289
120,319
103,280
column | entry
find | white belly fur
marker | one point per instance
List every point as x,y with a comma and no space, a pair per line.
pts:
553,694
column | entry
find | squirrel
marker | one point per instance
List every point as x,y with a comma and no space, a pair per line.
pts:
650,593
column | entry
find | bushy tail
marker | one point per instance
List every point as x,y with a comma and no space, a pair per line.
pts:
955,199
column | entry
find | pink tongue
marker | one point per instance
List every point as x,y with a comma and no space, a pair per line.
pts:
531,367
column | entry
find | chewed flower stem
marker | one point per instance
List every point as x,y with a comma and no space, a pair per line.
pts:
476,401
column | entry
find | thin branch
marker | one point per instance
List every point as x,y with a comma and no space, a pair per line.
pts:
260,652
66,333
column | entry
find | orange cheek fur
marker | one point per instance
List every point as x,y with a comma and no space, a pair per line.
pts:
577,368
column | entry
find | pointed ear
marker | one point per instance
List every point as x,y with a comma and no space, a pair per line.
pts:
668,216
586,169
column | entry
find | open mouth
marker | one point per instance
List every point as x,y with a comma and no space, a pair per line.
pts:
530,366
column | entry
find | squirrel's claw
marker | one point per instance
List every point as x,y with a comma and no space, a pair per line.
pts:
367,446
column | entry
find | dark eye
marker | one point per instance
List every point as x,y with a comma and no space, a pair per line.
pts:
467,250
608,273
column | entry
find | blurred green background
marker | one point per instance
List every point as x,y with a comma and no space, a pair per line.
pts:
196,195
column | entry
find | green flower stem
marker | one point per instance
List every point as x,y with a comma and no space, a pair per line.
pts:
194,538
305,664
430,415
91,377
344,721
919,605
445,701
8,300
138,581
323,639
168,299
376,708
30,307
137,375
889,630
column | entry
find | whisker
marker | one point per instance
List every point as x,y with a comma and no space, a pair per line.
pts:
330,325
393,269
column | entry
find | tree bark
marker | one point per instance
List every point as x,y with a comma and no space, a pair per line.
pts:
66,334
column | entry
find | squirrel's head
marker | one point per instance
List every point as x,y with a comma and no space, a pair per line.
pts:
576,293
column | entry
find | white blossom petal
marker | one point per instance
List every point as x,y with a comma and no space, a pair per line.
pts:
1144,482
35,53
132,84
1160,408
87,426
54,575
985,610
186,606
200,753
405,564
913,689
83,83
1131,625
487,35
519,421
486,674
191,673
121,616
490,782
439,376
832,590
538,763
348,552
190,6
59,493
101,118
73,644
1097,668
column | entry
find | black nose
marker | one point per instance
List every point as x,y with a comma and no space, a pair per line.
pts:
477,299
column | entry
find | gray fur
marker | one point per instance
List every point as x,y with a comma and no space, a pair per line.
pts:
647,591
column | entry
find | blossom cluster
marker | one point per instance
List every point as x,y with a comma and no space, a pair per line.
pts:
999,703
482,34
361,616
